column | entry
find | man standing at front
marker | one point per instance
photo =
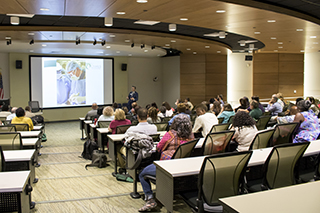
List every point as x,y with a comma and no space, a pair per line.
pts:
132,97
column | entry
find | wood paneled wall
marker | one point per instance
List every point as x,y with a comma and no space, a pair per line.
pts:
203,77
278,72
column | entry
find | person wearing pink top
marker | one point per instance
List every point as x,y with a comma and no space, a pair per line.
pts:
119,120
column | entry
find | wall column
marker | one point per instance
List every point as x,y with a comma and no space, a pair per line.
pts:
312,74
239,81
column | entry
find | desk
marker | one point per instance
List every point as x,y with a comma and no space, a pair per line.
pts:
38,128
13,186
93,130
101,132
113,141
30,134
87,127
82,127
17,160
167,171
32,143
297,198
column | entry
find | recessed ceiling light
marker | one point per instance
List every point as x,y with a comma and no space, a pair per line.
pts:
142,1
300,30
112,36
275,50
194,53
302,51
313,36
173,41
118,52
218,51
188,49
146,22
31,51
44,9
220,11
280,47
31,34
207,47
273,38
257,33
127,40
271,21
7,37
121,13
108,47
280,42
145,51
44,45
183,19
130,54
167,45
315,43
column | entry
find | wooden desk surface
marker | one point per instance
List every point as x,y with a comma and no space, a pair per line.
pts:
13,181
29,141
88,122
103,130
93,125
18,155
297,198
82,118
191,166
37,128
30,133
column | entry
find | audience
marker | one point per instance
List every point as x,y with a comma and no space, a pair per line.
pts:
313,106
181,109
92,113
289,118
169,111
216,108
119,120
5,110
107,114
153,104
125,109
220,98
204,121
13,114
280,99
179,133
309,124
29,114
188,112
243,104
274,106
114,106
21,119
256,98
298,99
162,112
187,101
255,112
245,130
226,113
153,116
133,105
96,117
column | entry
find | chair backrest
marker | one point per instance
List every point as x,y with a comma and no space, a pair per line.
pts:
161,126
283,133
134,122
193,117
10,141
219,127
216,142
221,175
123,128
155,137
129,117
185,149
261,140
220,120
266,113
21,127
8,128
230,121
279,168
166,119
34,105
2,161
262,122
103,124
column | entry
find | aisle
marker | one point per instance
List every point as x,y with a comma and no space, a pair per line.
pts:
66,186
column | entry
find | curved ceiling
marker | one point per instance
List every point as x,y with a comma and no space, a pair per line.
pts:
62,21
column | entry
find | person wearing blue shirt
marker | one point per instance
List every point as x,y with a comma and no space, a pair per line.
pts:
274,107
181,108
132,97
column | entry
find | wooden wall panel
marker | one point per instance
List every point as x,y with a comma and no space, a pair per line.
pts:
265,78
291,78
192,68
291,57
265,66
216,79
216,67
192,58
265,91
188,79
291,67
265,57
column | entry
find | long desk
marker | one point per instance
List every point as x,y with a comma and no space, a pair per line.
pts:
93,130
167,171
101,132
297,198
30,134
82,127
32,143
17,160
113,141
13,186
87,127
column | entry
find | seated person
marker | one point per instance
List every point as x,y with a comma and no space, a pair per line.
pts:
92,112
5,111
313,106
99,113
245,128
289,118
180,132
243,104
169,110
107,114
256,98
226,113
21,119
114,106
119,120
153,116
143,127
13,114
274,106
216,108
29,114
204,121
181,109
309,129
255,112
162,112
187,101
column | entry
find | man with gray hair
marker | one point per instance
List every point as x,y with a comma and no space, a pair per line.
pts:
13,113
274,107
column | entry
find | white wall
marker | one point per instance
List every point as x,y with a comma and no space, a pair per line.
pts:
4,67
312,74
171,79
239,81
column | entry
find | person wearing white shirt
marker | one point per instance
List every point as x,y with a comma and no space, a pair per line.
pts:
13,111
204,121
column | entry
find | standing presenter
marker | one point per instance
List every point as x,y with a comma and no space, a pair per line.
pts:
132,97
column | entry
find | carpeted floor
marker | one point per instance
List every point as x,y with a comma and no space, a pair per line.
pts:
66,186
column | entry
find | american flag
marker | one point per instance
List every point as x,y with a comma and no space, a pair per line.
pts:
1,87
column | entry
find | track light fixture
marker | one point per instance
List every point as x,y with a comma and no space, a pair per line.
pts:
9,42
108,21
77,40
172,27
132,45
222,34
152,47
31,42
103,43
14,20
142,46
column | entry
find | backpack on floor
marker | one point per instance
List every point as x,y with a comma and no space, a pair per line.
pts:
99,159
88,148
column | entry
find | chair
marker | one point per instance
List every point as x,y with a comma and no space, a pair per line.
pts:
266,113
314,174
216,142
166,119
155,137
221,175
8,128
219,127
230,121
279,168
122,129
161,126
185,149
262,122
261,140
10,141
134,122
284,133
21,127
129,117
103,124
2,161
220,120
35,106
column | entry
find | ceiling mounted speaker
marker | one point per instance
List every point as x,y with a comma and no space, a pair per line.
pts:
172,27
14,20
108,21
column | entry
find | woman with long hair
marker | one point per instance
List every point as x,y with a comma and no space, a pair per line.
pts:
226,113
153,116
216,108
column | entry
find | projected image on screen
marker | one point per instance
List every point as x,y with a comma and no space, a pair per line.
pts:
69,81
